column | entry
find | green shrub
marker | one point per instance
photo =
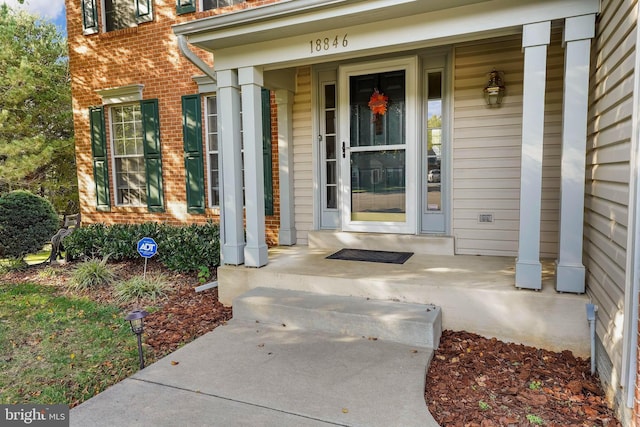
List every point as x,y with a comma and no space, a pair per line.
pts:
180,248
190,248
152,287
92,273
86,241
27,223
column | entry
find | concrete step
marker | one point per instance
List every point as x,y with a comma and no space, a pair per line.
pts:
418,244
410,324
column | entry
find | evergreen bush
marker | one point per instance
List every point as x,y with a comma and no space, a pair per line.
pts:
27,223
180,248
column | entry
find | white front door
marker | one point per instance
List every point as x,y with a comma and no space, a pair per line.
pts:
378,146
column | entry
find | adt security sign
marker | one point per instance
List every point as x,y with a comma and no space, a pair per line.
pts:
147,247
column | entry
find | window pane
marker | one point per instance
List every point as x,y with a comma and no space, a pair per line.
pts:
434,142
214,4
378,182
119,14
435,85
330,121
128,152
212,148
377,109
330,96
331,172
332,197
330,148
213,142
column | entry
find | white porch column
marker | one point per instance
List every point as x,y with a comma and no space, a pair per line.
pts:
578,31
535,38
251,81
230,163
284,102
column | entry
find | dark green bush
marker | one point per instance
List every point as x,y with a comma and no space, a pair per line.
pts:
86,241
180,248
27,223
191,247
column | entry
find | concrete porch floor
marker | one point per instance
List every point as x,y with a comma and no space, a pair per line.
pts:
475,293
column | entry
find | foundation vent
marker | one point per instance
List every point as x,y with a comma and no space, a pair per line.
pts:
485,218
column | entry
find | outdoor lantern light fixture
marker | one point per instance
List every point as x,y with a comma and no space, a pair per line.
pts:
136,320
494,90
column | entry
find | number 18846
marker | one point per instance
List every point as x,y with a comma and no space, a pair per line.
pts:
327,43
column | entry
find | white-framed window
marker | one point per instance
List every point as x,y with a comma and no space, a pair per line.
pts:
215,4
135,154
117,14
211,132
128,155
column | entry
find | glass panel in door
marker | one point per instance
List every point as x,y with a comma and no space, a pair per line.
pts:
434,182
377,155
328,151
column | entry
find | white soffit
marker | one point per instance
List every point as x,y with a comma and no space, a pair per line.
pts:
416,19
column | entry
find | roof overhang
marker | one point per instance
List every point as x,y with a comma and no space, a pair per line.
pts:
283,33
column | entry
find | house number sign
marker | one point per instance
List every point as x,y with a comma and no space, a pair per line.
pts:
328,43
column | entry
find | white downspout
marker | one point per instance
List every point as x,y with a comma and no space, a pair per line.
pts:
183,45
591,317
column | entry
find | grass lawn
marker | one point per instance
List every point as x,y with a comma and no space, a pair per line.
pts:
60,349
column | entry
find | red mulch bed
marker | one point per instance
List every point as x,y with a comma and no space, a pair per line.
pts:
472,381
475,381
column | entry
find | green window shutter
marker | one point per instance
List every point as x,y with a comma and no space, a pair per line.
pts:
185,6
144,11
99,154
153,160
193,162
89,16
266,151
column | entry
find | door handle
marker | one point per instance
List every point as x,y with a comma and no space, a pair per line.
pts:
344,150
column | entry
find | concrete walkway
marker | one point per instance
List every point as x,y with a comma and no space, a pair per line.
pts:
255,374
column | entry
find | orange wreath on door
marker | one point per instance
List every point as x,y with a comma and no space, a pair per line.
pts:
378,105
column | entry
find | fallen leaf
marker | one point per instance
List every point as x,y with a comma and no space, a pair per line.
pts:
575,386
345,410
174,363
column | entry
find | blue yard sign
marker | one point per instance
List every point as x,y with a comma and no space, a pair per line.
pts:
147,247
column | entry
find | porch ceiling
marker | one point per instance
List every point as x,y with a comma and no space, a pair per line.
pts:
282,32
293,17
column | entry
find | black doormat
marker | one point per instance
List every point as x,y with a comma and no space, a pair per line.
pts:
371,256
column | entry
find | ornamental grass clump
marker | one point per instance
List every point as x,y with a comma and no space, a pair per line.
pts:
153,286
92,273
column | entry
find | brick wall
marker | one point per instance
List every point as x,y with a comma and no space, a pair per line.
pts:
147,55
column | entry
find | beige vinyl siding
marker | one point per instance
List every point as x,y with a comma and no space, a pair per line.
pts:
487,147
302,156
608,170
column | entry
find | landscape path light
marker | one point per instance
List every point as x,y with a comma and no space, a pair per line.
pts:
136,320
